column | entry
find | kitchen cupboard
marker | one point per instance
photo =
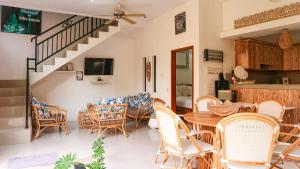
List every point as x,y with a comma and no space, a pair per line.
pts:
291,58
260,55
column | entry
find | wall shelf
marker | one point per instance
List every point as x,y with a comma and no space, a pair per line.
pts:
99,82
61,71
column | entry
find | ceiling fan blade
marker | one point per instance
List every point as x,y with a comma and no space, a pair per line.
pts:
136,15
128,20
110,21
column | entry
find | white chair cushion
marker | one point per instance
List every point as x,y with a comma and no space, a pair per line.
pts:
189,149
236,166
281,146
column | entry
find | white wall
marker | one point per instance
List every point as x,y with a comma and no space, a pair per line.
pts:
209,38
64,90
203,31
15,48
158,38
234,9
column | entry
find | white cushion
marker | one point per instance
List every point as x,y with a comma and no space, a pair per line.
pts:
237,166
280,147
189,149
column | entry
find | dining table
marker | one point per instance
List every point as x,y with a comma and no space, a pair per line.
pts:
204,120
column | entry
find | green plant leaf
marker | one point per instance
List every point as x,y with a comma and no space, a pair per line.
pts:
66,161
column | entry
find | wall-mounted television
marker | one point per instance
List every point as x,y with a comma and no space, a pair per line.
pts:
98,66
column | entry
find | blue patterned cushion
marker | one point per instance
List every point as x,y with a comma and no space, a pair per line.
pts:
120,100
42,110
107,101
133,101
143,96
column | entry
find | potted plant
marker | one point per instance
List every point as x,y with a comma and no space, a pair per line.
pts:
69,161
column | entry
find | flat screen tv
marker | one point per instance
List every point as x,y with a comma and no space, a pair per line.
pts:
98,66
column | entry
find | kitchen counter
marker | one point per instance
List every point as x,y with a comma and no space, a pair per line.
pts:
266,86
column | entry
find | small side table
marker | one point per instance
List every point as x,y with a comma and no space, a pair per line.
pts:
84,120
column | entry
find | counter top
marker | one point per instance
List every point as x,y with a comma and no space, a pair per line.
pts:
266,86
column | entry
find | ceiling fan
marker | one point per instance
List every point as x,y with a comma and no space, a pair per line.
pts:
120,13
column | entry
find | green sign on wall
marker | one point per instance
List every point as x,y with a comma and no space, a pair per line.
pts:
20,20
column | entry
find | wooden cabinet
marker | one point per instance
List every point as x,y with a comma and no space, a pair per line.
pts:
260,56
291,58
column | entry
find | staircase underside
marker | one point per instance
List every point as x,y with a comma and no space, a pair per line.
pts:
81,48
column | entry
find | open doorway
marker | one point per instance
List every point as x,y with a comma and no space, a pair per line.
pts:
182,80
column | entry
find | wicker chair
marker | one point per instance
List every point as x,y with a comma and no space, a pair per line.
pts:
288,149
109,117
56,117
174,145
271,107
141,112
247,141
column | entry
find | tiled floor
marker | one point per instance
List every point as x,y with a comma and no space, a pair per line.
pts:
135,152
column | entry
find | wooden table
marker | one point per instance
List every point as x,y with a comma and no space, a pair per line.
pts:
204,121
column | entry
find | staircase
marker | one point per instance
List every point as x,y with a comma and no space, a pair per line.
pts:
12,112
48,48
54,48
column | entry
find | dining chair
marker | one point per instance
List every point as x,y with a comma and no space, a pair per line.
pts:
247,141
271,107
288,149
175,146
203,102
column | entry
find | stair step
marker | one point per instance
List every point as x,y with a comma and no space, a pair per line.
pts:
17,135
17,91
12,111
12,101
12,83
12,122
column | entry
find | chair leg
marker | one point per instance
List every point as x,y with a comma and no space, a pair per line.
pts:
92,130
275,165
136,123
159,151
181,163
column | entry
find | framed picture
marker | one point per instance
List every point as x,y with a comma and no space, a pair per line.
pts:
20,20
79,75
180,23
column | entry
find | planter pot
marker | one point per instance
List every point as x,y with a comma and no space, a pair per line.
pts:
79,166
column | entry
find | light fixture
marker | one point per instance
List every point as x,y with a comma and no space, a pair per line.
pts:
92,1
285,40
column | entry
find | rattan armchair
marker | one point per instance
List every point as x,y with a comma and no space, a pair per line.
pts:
140,113
108,117
55,117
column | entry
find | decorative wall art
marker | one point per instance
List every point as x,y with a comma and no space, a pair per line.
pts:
150,74
148,71
20,20
269,15
180,23
79,75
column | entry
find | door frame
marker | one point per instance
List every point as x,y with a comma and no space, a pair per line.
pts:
173,75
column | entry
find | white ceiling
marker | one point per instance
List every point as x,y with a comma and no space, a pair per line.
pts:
152,8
